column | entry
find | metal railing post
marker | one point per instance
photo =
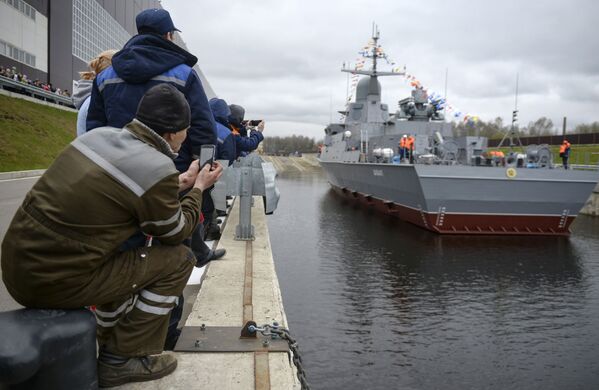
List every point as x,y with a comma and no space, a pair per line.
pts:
244,231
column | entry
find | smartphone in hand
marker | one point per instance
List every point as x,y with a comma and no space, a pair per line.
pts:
207,155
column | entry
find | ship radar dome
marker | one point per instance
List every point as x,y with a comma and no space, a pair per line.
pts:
367,86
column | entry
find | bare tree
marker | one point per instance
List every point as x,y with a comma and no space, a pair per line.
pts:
542,126
587,128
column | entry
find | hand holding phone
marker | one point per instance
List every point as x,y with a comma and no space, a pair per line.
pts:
207,155
208,176
255,122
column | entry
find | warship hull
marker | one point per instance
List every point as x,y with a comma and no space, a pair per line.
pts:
468,199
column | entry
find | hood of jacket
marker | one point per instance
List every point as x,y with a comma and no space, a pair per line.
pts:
220,111
82,89
149,136
149,55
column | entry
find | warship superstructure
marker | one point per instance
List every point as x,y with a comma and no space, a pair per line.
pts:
449,185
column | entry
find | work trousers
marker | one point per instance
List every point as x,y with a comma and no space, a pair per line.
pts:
134,293
136,323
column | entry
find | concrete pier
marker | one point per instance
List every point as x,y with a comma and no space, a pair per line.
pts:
592,205
241,286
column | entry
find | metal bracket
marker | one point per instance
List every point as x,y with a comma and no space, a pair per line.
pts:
247,177
226,339
246,333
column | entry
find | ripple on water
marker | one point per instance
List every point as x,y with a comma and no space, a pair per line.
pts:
379,304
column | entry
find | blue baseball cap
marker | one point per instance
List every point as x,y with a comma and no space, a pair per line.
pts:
155,20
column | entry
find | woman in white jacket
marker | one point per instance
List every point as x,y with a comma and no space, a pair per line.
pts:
83,87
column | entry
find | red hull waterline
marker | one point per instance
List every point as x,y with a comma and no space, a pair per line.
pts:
451,223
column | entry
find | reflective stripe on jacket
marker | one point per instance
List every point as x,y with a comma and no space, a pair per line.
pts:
105,186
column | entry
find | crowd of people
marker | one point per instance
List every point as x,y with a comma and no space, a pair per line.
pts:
12,74
121,215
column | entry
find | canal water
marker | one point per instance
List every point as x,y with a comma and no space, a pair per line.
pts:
380,304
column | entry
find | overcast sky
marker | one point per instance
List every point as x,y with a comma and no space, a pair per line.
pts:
280,59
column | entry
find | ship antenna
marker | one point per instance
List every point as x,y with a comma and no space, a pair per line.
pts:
375,38
445,97
513,133
374,54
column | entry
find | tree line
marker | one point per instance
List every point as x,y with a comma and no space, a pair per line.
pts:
496,128
291,144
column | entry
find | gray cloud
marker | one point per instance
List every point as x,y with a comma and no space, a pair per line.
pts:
281,59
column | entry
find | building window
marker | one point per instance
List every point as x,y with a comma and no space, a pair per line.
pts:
8,50
94,30
22,7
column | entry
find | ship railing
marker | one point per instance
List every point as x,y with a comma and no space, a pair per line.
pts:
583,160
582,167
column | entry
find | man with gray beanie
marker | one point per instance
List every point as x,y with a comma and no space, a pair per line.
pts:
150,58
61,249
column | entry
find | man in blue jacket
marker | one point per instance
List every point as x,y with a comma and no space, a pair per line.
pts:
151,58
225,142
225,150
244,144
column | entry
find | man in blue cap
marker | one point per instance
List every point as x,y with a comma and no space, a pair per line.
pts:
151,58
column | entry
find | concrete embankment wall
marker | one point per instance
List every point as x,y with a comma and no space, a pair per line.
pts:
592,205
294,165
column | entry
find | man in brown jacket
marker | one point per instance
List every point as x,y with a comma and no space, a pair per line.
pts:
61,249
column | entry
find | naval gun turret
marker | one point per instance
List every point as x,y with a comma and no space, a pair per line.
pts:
418,108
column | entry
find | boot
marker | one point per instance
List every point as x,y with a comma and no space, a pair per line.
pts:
212,255
138,369
212,232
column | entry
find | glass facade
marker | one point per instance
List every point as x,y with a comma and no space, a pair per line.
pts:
94,30
8,50
22,6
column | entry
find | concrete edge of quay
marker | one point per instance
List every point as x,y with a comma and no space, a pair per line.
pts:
591,207
21,174
222,301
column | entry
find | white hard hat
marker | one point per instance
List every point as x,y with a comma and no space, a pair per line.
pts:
404,136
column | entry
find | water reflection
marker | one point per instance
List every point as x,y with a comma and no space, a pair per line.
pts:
378,303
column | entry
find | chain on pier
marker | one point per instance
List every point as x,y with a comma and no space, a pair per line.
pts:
275,331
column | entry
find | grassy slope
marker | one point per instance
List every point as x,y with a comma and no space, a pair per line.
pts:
32,135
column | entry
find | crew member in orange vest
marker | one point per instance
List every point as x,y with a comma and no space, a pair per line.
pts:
402,146
564,152
410,148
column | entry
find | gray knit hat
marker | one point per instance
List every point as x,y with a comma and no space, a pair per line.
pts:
164,109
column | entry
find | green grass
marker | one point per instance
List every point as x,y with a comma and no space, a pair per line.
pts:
32,135
579,154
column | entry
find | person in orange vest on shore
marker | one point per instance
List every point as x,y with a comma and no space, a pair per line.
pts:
564,152
410,148
402,146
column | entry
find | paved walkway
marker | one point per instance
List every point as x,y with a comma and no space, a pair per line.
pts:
220,302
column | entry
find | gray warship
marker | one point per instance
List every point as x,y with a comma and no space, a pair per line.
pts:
450,185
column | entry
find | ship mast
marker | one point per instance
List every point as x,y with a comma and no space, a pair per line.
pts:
375,55
513,132
375,37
